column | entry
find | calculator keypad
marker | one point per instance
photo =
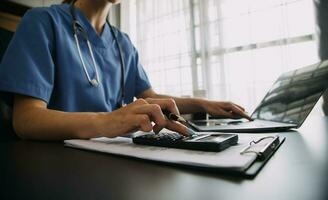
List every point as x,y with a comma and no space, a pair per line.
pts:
163,136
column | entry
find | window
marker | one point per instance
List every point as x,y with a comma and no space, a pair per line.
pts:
253,41
163,39
223,49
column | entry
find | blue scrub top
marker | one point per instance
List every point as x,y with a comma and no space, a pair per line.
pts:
42,61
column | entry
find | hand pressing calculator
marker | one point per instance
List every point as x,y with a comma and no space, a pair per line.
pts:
202,142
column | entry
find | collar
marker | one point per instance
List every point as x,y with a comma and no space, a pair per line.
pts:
104,40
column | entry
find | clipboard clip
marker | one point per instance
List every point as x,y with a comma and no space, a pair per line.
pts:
266,151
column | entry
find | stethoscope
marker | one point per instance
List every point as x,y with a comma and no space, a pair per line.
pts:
77,28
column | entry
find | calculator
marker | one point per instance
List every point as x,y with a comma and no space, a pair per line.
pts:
203,142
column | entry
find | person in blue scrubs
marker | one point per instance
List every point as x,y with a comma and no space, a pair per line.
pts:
43,79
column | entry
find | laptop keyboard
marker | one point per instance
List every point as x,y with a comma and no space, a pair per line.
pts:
254,124
242,125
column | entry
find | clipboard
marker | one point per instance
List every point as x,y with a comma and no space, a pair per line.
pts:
262,157
243,160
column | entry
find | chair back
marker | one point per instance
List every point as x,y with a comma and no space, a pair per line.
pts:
6,127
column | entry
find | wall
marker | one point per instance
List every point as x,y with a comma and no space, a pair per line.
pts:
35,3
114,15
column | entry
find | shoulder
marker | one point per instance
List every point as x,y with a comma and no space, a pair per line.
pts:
45,15
36,14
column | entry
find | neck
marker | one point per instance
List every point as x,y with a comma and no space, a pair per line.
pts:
96,11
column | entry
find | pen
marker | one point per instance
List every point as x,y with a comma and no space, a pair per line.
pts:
175,117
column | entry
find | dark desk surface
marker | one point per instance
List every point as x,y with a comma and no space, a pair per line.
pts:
36,170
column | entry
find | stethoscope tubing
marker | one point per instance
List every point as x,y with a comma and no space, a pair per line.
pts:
77,27
93,82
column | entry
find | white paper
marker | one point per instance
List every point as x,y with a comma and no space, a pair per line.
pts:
229,158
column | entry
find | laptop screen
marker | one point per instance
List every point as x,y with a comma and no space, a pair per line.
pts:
294,94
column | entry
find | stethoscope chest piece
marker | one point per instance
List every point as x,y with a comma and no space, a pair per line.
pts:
94,83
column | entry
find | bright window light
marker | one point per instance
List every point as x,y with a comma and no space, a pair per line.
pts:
232,49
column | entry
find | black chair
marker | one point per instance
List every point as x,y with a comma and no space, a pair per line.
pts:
16,9
6,128
322,22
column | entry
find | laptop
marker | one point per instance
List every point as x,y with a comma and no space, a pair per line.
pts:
286,105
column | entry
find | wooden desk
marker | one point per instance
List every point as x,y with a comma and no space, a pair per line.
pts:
39,170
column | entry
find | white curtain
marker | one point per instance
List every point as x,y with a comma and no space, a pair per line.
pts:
222,49
253,41
162,34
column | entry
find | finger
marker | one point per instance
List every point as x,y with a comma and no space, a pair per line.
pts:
154,112
229,105
242,114
157,128
242,108
226,114
144,123
237,111
138,102
177,127
235,116
134,104
165,104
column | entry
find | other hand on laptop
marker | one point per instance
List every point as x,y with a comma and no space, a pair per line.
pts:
225,109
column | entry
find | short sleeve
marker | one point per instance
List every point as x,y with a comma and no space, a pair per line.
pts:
27,67
142,81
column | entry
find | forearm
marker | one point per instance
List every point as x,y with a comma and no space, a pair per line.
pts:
185,105
194,105
33,120
46,124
